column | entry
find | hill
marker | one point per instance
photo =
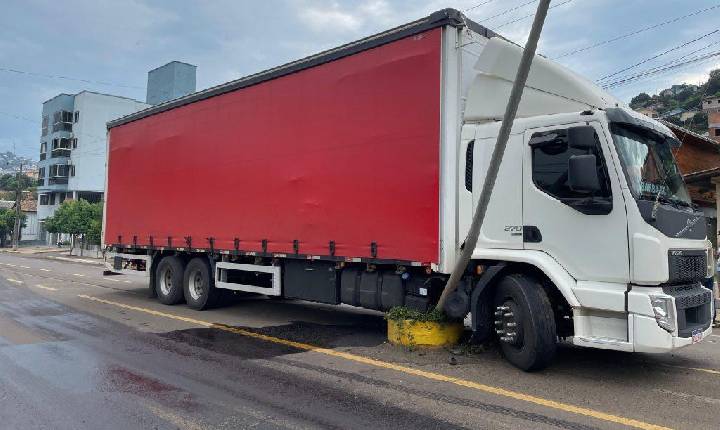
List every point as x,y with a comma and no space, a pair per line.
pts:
681,104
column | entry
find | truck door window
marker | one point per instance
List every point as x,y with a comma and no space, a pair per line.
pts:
550,158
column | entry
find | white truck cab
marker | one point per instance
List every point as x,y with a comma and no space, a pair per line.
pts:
590,198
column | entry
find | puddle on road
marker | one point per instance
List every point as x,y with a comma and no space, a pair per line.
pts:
369,333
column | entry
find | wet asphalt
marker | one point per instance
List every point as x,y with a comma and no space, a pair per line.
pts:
70,362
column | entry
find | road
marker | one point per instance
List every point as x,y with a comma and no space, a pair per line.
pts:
83,351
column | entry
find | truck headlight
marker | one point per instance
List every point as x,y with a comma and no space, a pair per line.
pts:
664,311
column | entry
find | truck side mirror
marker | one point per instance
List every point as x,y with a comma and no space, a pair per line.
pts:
582,173
582,137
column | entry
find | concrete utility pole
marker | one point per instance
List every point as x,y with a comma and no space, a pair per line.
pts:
498,152
18,197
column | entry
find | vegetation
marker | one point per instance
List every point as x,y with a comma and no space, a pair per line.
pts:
78,218
8,182
685,97
401,313
7,224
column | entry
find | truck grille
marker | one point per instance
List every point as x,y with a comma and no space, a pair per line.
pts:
687,266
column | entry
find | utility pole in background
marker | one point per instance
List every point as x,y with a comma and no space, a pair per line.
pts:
18,198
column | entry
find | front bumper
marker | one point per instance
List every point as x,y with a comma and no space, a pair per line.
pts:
637,330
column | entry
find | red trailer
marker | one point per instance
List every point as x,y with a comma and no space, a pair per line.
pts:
333,163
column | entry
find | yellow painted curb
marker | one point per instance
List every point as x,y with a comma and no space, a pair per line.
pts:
421,333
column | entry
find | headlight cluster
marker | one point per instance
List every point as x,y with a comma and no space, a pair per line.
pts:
664,311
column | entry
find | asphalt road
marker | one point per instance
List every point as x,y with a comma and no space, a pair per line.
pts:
83,351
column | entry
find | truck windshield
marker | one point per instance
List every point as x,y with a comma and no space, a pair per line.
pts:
649,164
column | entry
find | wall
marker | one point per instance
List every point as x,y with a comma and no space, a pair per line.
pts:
173,80
89,156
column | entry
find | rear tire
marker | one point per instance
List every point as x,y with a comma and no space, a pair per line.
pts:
169,280
525,322
199,285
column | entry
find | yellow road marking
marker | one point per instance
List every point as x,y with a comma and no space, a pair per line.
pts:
404,369
46,288
14,280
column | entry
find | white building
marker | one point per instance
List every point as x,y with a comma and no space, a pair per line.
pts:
73,148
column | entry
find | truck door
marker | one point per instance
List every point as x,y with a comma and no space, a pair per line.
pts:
585,233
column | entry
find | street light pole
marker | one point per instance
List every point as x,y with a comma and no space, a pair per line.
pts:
498,152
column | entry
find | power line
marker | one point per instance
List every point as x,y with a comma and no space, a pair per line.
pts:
673,62
634,32
507,11
675,48
478,5
66,78
657,70
529,15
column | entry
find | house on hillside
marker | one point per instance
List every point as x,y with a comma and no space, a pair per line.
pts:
711,105
699,160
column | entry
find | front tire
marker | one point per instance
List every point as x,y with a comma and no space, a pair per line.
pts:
199,285
169,280
525,322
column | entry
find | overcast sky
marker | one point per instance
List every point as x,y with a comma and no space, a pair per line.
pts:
114,43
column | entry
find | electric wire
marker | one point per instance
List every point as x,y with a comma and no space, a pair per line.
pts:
507,11
635,32
674,48
478,5
66,78
529,15
650,72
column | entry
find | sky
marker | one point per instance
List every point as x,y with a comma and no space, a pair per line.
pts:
109,46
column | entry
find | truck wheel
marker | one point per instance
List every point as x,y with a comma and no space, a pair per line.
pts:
168,280
199,285
524,322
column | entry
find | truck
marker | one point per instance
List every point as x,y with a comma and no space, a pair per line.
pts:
351,177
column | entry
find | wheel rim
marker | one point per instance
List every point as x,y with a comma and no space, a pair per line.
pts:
196,285
508,325
166,283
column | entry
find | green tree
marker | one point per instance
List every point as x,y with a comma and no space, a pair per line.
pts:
7,224
639,100
8,182
78,218
713,84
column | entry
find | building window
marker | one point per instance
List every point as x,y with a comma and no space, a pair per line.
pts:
41,172
77,116
72,170
62,121
45,123
717,132
74,143
44,199
52,199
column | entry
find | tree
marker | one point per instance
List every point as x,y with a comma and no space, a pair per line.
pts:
77,218
713,84
639,100
8,182
7,224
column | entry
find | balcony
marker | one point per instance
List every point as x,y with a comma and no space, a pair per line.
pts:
59,152
58,180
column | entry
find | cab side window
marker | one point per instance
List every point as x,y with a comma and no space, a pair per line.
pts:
550,158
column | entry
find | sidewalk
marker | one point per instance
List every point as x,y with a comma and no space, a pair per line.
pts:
55,253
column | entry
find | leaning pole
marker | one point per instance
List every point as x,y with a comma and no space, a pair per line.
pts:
498,152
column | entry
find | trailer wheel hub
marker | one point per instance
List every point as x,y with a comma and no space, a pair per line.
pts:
196,285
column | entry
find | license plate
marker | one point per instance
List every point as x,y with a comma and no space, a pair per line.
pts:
697,335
